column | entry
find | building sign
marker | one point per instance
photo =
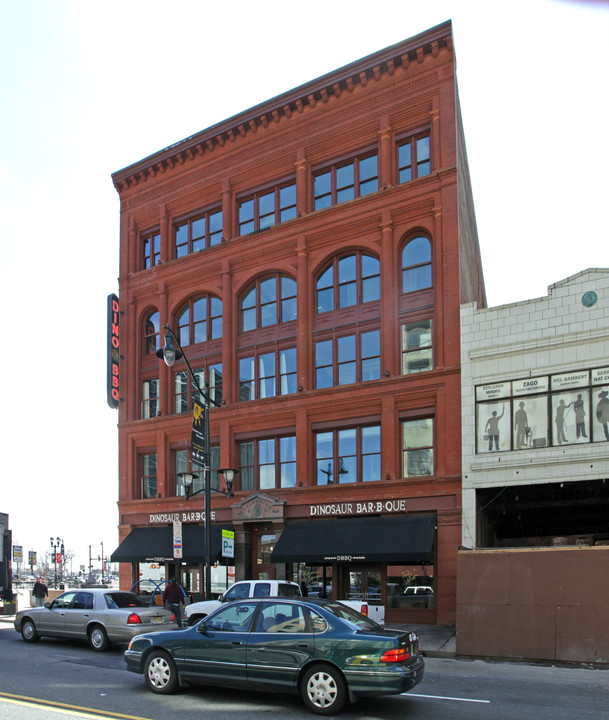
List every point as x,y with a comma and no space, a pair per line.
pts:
570,380
530,386
113,352
228,543
197,440
600,376
177,539
358,508
185,517
494,391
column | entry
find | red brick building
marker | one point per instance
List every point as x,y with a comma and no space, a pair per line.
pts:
311,255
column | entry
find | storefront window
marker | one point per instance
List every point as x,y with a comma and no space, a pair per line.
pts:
535,413
410,587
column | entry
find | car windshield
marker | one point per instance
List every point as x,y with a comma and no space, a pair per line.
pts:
123,600
351,616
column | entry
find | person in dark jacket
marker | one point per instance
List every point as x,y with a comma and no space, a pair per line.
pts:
173,597
39,592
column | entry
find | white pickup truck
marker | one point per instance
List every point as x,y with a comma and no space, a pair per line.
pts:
240,591
270,588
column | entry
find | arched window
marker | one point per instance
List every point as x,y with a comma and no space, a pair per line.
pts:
200,321
152,329
268,301
416,265
349,280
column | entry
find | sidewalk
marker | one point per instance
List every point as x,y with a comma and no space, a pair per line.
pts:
434,640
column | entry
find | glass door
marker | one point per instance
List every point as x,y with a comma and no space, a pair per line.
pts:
264,542
365,583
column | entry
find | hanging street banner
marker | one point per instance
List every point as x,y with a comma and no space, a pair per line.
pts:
197,442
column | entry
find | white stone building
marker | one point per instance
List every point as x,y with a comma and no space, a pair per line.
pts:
535,417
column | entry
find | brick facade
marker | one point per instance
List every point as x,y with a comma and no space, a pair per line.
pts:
403,94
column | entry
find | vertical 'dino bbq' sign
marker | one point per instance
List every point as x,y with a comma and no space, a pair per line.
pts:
113,351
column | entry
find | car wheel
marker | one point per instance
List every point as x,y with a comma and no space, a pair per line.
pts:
98,638
28,631
323,690
161,673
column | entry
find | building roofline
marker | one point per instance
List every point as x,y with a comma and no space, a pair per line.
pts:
372,66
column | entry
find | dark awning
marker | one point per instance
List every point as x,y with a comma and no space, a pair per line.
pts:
405,539
148,544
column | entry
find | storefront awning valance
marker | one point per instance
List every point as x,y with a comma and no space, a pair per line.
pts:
149,544
404,540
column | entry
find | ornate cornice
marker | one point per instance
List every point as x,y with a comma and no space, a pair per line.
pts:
306,97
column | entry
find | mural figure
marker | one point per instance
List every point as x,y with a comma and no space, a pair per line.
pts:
580,417
521,423
602,411
492,429
560,421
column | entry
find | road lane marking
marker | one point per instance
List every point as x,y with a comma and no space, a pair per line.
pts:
65,709
443,697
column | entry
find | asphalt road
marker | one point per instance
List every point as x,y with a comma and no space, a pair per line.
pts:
66,680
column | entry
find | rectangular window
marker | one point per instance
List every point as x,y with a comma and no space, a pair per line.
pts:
414,159
186,392
183,463
149,476
267,464
150,398
198,233
345,181
417,447
267,208
151,244
348,455
267,375
417,345
348,359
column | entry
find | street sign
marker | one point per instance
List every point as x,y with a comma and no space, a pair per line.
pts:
228,543
177,539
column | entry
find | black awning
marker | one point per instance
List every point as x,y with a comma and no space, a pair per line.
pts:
148,544
406,539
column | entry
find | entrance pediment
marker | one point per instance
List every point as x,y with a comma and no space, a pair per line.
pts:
258,507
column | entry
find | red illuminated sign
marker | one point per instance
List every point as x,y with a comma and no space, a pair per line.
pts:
113,351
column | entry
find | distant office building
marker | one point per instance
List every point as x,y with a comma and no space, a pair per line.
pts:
311,255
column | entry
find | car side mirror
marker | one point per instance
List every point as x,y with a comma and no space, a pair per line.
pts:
202,627
222,598
47,604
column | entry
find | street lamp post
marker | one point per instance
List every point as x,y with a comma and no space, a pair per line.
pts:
170,353
102,561
56,543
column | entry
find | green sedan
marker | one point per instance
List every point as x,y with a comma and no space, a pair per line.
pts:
321,649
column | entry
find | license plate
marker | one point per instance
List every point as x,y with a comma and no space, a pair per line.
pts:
157,619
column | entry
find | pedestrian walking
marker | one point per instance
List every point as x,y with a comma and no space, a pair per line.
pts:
173,597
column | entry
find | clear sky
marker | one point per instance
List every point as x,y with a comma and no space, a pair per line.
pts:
88,88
